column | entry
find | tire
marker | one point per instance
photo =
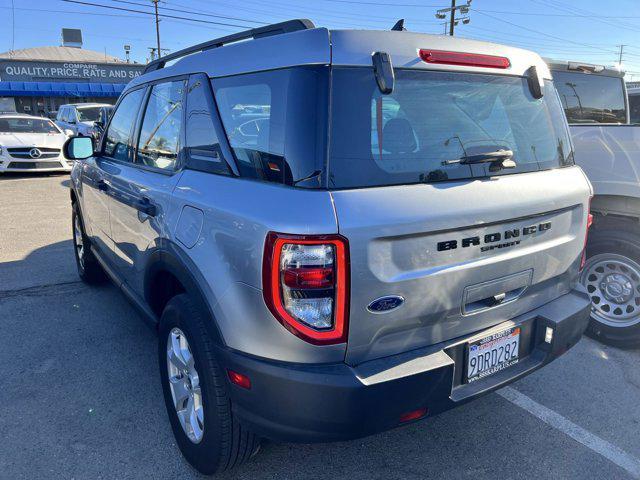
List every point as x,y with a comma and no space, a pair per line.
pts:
218,442
612,278
89,269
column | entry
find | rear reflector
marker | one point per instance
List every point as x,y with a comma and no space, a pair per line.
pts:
414,415
239,379
466,59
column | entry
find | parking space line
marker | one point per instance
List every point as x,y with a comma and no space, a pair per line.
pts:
579,434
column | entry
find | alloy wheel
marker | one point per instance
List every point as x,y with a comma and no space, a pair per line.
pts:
184,384
78,240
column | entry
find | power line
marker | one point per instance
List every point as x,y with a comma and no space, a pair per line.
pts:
592,15
351,18
182,10
556,14
383,4
164,15
536,31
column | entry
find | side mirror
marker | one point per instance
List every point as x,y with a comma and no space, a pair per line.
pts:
68,132
78,148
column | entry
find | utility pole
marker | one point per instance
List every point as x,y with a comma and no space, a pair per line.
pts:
452,17
155,4
453,21
620,55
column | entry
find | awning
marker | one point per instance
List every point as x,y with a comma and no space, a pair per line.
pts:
54,89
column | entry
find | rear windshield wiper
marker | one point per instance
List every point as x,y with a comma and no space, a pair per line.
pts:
499,159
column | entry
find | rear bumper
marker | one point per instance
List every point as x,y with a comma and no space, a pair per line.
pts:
311,403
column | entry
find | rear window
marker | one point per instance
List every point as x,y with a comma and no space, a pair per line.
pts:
276,122
432,118
588,98
88,114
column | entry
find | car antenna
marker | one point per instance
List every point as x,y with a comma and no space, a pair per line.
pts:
399,26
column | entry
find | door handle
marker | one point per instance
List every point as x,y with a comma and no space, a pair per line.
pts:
103,185
145,206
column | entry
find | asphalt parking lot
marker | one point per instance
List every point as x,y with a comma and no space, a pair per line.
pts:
80,396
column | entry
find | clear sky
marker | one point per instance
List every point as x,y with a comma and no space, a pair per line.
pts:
585,30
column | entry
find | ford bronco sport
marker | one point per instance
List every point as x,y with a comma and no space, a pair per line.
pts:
336,232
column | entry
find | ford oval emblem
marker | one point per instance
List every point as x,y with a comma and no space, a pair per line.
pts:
385,304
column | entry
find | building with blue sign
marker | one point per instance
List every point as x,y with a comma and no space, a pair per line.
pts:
38,80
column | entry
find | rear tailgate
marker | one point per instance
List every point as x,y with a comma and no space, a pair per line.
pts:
402,243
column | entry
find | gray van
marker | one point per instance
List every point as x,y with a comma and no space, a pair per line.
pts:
336,233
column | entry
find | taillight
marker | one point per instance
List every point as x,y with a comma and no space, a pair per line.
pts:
306,285
583,261
466,59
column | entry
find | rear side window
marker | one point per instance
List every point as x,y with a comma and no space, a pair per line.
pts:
158,144
589,98
117,142
276,123
634,107
202,142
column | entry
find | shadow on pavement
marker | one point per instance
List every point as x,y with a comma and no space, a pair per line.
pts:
48,265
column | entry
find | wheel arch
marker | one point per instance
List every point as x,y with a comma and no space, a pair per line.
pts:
169,271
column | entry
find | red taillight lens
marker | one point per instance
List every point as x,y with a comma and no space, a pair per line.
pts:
583,261
308,277
305,280
466,59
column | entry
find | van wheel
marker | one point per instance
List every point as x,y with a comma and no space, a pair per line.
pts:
195,392
89,269
612,278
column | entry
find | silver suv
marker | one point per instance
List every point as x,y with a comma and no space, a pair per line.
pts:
336,232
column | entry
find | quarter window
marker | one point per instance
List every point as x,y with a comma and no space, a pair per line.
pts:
159,136
201,138
118,137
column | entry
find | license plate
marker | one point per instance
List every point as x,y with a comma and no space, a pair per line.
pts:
493,353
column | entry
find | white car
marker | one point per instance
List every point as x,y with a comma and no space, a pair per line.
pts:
29,144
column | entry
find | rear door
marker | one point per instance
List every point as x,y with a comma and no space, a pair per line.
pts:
450,251
140,199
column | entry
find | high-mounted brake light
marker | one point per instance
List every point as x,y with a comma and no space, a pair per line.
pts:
466,59
306,285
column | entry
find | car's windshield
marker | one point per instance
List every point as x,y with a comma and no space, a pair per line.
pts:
431,120
88,114
27,125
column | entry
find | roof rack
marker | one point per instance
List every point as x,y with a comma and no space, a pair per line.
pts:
266,31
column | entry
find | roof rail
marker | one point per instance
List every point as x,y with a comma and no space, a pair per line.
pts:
266,31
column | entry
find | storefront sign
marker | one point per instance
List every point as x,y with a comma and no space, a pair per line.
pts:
46,71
